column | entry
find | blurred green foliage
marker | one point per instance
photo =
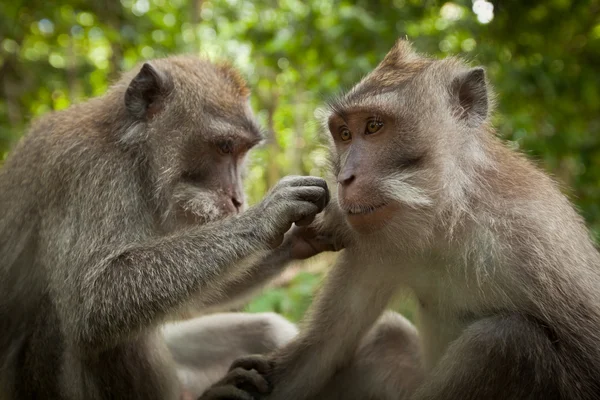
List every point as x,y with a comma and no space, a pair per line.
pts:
291,300
542,57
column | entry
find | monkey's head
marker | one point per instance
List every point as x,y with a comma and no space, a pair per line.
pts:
404,138
191,120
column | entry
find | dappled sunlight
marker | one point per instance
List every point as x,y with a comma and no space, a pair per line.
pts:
542,60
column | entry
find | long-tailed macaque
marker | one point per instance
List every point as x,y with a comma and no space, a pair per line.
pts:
122,211
505,274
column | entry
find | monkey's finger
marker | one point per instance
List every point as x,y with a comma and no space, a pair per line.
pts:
306,221
315,195
256,362
226,393
306,231
248,380
327,243
305,181
327,198
303,210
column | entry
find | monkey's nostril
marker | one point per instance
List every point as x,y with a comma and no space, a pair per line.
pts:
236,203
346,180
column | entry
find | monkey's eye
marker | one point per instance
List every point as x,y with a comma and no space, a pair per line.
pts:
225,147
345,134
373,126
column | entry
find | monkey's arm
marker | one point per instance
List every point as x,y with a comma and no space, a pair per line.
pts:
139,284
112,286
234,291
354,296
502,357
299,243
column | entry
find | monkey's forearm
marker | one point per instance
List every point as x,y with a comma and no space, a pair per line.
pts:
239,288
299,244
353,298
139,285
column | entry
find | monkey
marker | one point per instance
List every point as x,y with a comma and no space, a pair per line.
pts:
120,212
503,269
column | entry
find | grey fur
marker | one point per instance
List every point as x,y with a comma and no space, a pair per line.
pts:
113,222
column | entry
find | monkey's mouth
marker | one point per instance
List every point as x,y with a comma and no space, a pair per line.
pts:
369,218
364,209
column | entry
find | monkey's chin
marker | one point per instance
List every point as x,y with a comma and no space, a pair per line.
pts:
372,221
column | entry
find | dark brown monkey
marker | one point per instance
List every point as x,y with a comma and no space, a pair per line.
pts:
504,270
112,222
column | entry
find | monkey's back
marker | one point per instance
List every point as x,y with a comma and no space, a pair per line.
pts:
46,174
21,285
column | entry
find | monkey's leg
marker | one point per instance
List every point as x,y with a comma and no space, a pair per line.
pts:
203,348
501,358
386,365
354,296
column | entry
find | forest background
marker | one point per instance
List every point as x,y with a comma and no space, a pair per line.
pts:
542,57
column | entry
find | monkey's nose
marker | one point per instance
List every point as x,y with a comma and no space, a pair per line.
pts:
346,179
237,203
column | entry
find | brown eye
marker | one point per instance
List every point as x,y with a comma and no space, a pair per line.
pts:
373,126
225,147
345,135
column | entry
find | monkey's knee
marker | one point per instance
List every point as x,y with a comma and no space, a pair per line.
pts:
243,333
203,348
391,334
268,331
386,365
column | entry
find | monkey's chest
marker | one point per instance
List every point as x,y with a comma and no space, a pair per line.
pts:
446,305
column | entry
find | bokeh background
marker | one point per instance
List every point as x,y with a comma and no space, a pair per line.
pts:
543,57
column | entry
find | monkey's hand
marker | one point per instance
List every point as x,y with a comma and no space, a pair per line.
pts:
247,379
307,241
294,199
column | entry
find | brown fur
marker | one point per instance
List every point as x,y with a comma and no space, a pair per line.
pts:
505,273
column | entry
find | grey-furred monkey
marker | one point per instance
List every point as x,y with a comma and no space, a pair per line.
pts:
119,213
505,273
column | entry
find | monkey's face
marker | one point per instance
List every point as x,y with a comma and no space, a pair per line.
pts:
199,128
211,164
403,139
377,163
210,185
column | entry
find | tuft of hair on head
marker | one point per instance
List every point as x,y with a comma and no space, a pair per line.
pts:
402,58
400,64
401,53
232,75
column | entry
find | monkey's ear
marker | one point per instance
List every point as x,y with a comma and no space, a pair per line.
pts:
470,96
143,98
